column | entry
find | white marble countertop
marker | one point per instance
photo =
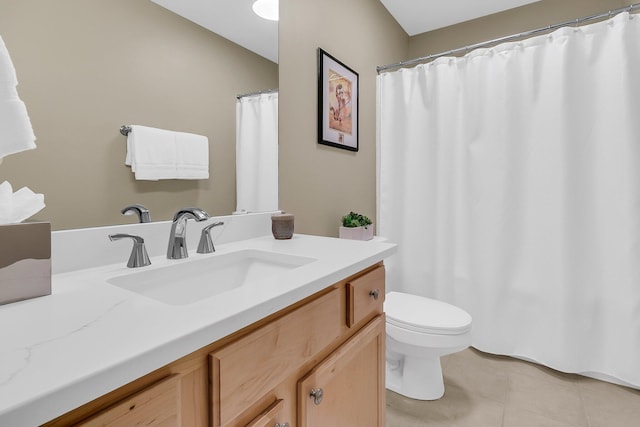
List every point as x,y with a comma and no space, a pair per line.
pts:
89,337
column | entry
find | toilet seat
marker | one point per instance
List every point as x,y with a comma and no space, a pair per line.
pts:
425,315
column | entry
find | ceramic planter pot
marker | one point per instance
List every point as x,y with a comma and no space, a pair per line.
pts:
357,233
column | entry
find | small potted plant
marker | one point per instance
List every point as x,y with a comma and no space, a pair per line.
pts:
356,227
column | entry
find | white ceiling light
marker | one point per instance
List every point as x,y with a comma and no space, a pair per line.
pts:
267,9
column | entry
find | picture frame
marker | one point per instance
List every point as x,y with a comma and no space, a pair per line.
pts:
338,90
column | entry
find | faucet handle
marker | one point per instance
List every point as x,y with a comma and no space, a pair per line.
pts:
139,256
143,213
206,243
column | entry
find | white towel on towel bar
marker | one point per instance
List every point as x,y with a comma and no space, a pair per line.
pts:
193,162
155,154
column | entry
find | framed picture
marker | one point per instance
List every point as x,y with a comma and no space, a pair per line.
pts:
337,103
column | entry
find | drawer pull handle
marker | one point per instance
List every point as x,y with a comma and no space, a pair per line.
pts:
316,394
281,425
375,294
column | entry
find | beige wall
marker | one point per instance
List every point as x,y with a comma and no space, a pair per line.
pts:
318,183
514,21
85,68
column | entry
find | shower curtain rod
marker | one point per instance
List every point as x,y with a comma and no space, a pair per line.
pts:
468,48
260,92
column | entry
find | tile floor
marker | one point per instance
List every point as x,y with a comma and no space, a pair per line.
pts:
483,390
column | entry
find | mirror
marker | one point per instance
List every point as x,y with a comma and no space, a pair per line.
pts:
86,68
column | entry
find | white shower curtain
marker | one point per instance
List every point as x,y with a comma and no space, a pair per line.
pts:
257,153
511,180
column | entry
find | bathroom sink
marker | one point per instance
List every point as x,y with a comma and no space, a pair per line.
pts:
188,281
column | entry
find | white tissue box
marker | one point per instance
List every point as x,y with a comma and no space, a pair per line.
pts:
25,261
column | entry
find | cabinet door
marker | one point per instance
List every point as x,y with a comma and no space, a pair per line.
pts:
155,406
347,388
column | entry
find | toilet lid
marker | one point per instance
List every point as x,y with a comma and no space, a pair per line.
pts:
426,315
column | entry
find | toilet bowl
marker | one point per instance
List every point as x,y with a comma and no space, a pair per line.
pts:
420,331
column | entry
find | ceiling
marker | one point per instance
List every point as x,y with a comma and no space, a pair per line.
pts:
420,16
231,19
234,19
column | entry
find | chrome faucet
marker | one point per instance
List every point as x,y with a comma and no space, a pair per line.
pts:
139,256
178,238
143,213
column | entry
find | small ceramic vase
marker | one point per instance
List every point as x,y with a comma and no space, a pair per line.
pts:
282,226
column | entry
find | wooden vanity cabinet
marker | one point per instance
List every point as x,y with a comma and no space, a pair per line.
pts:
268,374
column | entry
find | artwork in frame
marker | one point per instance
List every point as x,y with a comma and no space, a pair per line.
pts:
337,103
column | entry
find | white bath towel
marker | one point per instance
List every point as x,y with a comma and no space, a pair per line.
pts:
155,154
151,153
192,156
16,133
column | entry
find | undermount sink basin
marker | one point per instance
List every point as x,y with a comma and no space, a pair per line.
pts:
191,280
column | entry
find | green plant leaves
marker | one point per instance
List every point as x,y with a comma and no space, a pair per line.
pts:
355,220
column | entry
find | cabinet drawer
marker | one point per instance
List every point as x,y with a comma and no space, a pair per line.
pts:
365,296
270,417
245,371
156,406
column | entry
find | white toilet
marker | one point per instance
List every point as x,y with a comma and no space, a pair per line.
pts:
419,331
